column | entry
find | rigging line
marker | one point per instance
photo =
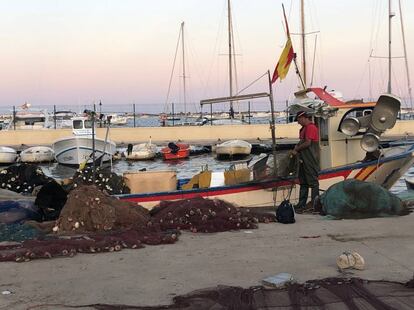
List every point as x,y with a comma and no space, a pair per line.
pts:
362,78
172,72
215,48
251,83
313,62
405,55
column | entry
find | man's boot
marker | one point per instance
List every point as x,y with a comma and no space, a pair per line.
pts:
303,197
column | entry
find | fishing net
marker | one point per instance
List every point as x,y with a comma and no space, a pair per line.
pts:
88,209
92,221
206,215
357,199
22,178
105,180
330,293
18,232
70,245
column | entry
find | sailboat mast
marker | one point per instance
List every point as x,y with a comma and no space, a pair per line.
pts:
303,34
405,56
230,53
390,15
184,89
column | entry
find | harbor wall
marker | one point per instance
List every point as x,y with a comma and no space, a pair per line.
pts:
194,134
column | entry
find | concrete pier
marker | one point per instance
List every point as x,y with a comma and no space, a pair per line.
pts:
193,134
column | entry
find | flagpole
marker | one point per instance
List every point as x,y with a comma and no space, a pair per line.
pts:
272,123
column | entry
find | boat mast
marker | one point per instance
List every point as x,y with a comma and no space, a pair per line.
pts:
184,89
303,34
230,56
405,57
390,16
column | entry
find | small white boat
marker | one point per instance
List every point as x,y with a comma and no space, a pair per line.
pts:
78,149
118,119
37,154
141,151
233,148
8,155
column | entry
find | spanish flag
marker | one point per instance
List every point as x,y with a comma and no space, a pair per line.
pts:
286,57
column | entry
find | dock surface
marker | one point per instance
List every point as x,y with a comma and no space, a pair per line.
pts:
155,274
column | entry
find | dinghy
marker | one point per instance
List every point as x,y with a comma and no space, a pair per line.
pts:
141,151
8,155
37,154
233,148
176,151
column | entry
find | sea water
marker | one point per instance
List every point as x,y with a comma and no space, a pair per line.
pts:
185,168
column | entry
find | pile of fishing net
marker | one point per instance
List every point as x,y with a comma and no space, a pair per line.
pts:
22,178
354,199
206,215
88,209
105,180
90,222
70,245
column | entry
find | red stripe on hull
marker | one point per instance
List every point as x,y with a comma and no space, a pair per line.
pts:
227,191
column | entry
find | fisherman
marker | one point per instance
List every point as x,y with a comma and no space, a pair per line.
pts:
307,151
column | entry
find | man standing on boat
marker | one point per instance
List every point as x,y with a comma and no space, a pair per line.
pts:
307,151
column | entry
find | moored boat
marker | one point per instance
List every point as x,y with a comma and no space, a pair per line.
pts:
141,151
233,148
8,155
37,154
78,149
176,151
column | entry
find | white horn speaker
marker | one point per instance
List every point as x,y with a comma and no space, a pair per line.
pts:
350,126
385,112
370,142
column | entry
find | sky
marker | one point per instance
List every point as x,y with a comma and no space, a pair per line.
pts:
71,52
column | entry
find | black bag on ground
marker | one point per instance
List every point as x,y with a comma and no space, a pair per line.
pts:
285,213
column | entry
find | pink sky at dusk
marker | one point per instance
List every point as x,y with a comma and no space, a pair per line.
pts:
71,52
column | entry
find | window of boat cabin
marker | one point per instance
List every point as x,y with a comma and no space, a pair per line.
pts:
357,112
322,124
79,124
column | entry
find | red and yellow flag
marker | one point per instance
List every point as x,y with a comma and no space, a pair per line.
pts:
286,57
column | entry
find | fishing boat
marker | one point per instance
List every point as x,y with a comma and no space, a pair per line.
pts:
343,156
63,119
8,155
117,119
26,118
83,146
176,151
233,148
37,154
142,151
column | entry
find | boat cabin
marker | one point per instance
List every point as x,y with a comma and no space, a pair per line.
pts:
82,126
347,130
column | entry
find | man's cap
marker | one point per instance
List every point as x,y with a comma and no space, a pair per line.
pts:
299,114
